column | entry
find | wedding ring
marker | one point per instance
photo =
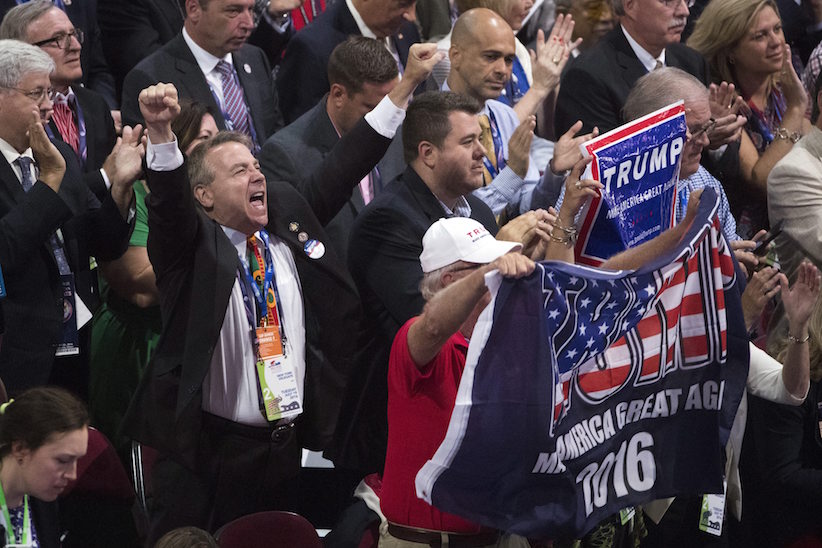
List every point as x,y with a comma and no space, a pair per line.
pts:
578,185
555,60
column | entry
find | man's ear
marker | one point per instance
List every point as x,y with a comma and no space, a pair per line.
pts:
454,56
193,9
428,154
337,94
204,195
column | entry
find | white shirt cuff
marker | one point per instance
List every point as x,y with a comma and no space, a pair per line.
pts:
386,118
106,180
163,156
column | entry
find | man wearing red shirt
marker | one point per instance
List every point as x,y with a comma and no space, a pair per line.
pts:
426,364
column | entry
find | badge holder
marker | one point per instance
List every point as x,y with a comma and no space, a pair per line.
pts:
278,380
712,513
69,344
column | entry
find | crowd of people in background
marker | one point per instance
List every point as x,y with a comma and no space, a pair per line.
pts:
234,230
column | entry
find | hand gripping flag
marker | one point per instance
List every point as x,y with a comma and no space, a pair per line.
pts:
639,165
586,391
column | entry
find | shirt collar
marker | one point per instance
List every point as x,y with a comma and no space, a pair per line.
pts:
206,61
238,240
64,98
461,208
648,61
11,154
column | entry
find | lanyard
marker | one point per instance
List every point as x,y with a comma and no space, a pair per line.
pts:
495,135
11,538
269,298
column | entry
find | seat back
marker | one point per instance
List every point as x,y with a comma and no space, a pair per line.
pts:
100,472
268,530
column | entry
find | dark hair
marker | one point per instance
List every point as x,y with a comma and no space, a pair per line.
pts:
359,60
187,124
186,537
817,87
427,118
35,415
199,172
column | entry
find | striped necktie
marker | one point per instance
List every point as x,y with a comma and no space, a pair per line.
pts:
233,102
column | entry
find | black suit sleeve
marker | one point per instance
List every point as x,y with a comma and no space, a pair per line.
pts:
384,256
302,80
270,41
583,96
329,186
172,219
25,228
105,230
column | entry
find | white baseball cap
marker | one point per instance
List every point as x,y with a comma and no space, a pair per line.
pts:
460,239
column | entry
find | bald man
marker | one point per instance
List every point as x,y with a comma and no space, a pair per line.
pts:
482,55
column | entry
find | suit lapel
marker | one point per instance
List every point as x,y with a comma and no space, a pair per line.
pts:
10,189
192,79
632,69
250,81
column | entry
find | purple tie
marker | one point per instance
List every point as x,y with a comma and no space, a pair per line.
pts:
233,103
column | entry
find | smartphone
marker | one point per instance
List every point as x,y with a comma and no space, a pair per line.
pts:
763,246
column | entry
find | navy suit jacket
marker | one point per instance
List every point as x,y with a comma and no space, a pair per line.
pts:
33,308
595,85
175,63
303,78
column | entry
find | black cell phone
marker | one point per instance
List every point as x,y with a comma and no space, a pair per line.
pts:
762,246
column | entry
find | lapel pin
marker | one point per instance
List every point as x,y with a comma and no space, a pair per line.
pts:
247,68
314,249
293,226
302,236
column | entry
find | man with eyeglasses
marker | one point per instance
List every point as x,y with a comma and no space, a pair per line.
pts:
83,15
50,226
80,117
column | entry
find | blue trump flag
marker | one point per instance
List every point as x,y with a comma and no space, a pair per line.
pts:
587,391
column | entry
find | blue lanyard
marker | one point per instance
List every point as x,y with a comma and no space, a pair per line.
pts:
517,85
495,135
269,291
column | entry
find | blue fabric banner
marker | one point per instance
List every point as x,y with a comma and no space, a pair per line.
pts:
587,391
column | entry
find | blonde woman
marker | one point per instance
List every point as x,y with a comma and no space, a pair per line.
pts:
744,45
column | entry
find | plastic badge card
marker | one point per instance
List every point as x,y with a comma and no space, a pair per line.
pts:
638,164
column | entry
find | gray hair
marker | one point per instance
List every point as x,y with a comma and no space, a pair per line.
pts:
659,88
18,59
199,171
432,281
16,22
619,8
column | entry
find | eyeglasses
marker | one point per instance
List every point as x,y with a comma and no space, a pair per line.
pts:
706,128
670,4
37,95
62,40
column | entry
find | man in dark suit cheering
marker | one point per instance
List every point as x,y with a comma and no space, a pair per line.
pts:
260,317
210,62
